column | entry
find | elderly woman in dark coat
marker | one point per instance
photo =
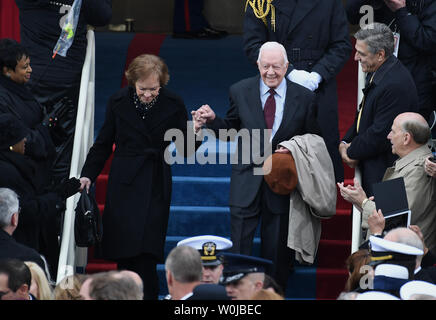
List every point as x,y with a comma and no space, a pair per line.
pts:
138,195
40,211
17,100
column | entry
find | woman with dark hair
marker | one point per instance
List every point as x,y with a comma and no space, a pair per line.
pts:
40,211
138,194
17,100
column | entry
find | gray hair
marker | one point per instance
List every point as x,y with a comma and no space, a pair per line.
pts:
272,45
378,37
185,264
109,286
8,206
420,131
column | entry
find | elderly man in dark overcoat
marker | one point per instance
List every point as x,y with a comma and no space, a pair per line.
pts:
316,37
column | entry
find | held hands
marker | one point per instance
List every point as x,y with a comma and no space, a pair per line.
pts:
308,80
201,116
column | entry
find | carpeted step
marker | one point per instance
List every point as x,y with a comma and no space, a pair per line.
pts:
338,227
333,253
330,282
194,221
200,191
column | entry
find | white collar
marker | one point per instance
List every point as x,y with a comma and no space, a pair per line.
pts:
280,90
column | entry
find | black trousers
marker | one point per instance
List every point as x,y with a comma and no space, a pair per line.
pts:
273,234
145,266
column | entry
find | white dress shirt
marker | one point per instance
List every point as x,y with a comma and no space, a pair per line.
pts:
279,96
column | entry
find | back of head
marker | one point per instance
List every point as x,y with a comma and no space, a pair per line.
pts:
416,126
185,264
69,288
40,286
354,264
108,286
11,52
265,294
378,37
8,206
18,274
405,236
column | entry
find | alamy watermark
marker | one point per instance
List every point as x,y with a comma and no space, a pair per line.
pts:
253,147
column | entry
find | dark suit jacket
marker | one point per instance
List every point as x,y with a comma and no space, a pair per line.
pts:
245,112
138,194
392,92
417,26
9,248
316,37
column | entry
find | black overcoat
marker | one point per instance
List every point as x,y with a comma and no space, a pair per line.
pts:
392,92
40,214
316,37
138,194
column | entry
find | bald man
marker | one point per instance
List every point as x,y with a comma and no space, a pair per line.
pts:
408,136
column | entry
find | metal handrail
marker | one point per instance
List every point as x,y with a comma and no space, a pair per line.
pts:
72,258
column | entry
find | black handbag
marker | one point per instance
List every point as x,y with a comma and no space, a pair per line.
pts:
88,227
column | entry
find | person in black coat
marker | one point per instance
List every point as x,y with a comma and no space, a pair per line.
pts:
415,22
9,217
56,78
389,91
138,194
41,210
316,37
17,100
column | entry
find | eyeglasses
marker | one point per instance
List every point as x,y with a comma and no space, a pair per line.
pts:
150,90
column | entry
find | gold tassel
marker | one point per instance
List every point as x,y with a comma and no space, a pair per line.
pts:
260,13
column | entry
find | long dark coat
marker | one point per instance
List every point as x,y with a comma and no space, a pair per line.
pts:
40,213
392,92
17,100
316,38
138,194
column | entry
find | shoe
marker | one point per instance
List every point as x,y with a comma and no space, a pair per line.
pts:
220,33
204,33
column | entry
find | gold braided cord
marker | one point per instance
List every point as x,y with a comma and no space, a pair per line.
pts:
260,13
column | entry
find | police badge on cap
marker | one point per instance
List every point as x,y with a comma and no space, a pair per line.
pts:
209,248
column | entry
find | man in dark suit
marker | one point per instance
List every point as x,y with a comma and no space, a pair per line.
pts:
251,112
389,91
316,37
9,248
414,22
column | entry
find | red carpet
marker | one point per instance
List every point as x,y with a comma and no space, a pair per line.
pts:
335,245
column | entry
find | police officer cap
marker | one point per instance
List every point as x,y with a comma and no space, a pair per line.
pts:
385,250
417,287
237,266
12,131
209,247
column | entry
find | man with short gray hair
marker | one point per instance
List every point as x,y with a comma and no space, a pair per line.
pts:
183,269
9,216
389,91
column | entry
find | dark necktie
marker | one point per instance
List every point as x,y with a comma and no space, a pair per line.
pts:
269,110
